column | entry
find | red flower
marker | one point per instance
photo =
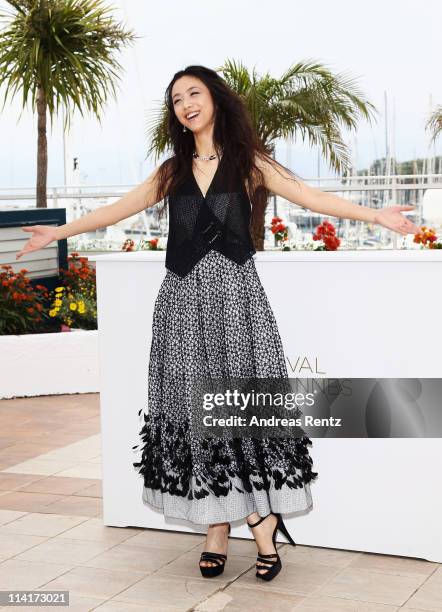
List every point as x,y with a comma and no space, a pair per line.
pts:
128,245
331,243
327,233
329,227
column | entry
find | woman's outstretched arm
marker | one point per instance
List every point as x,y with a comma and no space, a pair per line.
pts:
279,181
141,197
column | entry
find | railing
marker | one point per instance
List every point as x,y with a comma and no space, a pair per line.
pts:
384,190
372,191
78,201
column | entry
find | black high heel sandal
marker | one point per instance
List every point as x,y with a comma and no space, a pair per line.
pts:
210,571
275,564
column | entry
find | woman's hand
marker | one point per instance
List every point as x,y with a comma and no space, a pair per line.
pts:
391,218
41,236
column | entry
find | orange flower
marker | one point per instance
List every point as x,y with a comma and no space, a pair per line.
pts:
425,235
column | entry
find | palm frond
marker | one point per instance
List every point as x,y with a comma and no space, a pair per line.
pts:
308,101
434,123
65,47
156,132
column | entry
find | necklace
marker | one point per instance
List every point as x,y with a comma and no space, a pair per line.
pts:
204,157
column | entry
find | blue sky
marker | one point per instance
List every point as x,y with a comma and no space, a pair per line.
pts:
386,46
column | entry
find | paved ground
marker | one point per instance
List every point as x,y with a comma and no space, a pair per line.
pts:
52,537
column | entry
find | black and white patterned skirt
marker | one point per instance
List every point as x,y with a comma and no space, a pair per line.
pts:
216,321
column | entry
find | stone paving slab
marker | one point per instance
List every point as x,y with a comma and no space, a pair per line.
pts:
52,537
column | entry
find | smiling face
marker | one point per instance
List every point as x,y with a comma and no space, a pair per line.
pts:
192,103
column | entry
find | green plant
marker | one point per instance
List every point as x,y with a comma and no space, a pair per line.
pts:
74,303
434,123
22,306
59,52
143,245
326,232
427,238
280,232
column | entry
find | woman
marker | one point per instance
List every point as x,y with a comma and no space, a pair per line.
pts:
212,317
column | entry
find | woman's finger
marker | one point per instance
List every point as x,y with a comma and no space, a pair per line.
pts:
26,249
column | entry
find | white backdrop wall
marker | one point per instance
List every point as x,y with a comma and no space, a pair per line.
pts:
356,314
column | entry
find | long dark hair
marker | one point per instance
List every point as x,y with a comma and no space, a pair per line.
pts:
234,134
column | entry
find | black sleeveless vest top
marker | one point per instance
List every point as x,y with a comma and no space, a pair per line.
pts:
219,221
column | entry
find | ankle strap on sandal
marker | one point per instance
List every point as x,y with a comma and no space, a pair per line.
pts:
258,522
266,559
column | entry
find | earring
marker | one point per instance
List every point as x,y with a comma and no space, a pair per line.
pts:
184,128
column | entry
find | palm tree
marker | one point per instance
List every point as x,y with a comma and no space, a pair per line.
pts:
306,101
434,123
59,52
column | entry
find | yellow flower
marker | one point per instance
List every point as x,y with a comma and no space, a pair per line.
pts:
52,313
59,288
73,306
81,309
58,302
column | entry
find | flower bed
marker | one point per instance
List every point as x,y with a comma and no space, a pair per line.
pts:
33,359
74,303
325,233
22,305
26,308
